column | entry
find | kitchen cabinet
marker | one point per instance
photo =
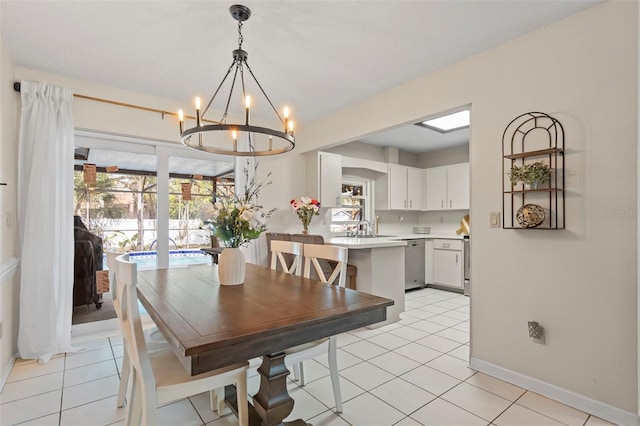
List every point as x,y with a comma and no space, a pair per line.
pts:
447,187
324,178
448,265
400,189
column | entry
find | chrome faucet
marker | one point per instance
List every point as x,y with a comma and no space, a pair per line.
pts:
368,229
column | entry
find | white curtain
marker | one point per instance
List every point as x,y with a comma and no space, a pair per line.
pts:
45,212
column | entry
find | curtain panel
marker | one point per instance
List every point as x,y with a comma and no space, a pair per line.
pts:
45,212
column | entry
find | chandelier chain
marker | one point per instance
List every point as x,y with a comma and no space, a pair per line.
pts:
240,38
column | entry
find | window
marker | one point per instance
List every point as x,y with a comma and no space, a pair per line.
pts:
354,206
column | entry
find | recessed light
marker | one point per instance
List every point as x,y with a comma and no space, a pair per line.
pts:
448,123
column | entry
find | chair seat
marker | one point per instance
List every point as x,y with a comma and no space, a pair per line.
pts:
168,371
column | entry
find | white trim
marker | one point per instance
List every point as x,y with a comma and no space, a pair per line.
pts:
567,397
8,269
7,371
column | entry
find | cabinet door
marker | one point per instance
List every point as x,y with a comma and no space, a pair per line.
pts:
436,190
414,189
458,186
397,187
448,268
330,179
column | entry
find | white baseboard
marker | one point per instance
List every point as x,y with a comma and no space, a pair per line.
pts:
8,269
7,371
567,397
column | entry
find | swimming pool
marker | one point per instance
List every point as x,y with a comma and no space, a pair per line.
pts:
148,259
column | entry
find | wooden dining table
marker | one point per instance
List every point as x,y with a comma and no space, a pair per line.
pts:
210,326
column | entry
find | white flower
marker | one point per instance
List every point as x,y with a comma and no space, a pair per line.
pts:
246,215
305,200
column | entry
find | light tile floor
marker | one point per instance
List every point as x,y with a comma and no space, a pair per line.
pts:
414,372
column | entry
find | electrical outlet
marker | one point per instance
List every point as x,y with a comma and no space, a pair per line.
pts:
536,332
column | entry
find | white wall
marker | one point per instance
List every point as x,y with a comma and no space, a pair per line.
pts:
445,157
9,287
579,283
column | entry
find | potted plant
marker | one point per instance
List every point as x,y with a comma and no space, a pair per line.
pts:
531,174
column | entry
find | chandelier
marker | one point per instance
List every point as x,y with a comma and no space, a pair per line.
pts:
238,139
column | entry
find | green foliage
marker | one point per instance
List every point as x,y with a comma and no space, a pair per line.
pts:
530,173
238,219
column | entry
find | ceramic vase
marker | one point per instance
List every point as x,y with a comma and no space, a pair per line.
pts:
231,266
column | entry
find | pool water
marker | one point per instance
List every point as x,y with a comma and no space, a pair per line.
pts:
148,259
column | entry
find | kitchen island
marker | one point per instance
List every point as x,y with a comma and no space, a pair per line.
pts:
380,263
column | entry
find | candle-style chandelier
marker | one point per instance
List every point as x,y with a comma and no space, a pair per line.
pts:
225,138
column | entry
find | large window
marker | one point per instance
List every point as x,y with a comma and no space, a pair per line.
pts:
119,208
188,219
355,206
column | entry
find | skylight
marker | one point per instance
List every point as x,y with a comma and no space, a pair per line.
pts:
448,123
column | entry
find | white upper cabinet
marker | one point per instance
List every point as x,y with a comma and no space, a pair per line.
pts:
324,178
400,189
447,187
436,188
415,189
458,186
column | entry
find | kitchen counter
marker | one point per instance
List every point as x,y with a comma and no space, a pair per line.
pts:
387,241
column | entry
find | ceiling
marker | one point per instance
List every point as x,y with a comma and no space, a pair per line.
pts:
315,56
148,162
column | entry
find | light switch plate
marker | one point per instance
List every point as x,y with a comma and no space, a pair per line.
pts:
494,219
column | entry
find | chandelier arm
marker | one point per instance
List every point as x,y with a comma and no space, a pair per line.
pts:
263,92
219,87
233,84
244,94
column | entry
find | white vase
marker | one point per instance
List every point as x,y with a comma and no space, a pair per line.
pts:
231,266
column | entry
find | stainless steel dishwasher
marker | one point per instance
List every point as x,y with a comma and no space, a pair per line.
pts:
414,264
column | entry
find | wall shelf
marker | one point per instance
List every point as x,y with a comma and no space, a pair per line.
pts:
533,137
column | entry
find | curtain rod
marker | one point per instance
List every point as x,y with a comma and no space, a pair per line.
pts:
16,87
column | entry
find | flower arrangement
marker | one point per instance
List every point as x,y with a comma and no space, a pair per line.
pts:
238,219
306,208
530,174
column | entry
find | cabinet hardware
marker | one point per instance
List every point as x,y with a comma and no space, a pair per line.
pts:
405,204
411,203
445,245
456,259
450,203
442,204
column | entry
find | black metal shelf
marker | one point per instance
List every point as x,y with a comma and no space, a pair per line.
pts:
530,135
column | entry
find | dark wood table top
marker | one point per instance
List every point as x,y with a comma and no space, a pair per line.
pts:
211,326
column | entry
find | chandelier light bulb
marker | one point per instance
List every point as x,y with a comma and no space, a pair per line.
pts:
198,103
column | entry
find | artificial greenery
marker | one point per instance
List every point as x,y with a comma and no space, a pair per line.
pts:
530,173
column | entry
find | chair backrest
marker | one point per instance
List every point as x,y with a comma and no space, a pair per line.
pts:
131,325
281,248
313,253
279,236
113,282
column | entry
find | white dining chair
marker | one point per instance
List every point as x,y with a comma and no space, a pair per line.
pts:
281,248
155,341
296,355
158,378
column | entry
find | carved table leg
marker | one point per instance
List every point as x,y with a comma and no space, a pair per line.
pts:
272,403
